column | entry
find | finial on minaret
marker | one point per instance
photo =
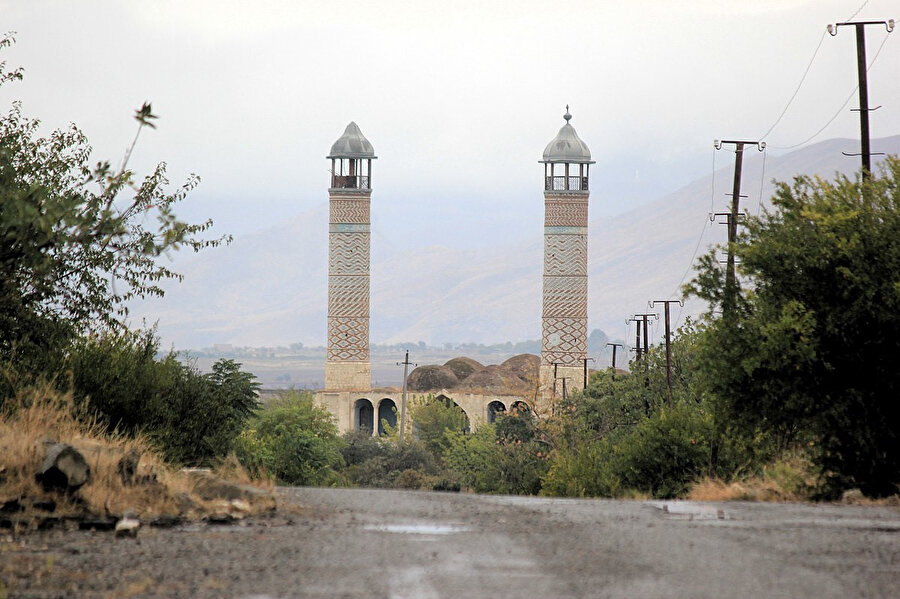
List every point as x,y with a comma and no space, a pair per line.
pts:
567,116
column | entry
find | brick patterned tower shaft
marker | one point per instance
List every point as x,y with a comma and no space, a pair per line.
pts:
564,316
347,365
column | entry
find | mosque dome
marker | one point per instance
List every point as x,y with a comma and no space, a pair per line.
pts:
567,146
352,144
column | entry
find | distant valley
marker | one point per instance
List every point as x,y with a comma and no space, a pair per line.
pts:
269,288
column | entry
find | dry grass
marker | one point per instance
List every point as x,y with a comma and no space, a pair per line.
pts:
792,478
229,468
42,414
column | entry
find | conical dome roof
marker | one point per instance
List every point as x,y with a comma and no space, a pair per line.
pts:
352,144
567,146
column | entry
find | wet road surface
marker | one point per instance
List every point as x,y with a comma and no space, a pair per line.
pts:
398,544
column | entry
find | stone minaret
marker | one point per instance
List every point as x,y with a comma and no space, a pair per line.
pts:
347,364
564,336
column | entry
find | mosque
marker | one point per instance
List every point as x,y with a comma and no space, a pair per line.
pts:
525,382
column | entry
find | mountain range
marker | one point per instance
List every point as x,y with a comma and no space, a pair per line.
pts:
270,288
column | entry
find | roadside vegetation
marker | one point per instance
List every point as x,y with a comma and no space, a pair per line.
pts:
785,390
78,239
786,393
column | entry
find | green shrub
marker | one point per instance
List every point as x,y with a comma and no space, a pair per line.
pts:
583,472
293,439
192,417
387,465
666,452
433,418
488,464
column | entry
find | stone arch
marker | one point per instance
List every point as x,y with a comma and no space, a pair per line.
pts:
494,409
387,412
363,415
449,402
520,406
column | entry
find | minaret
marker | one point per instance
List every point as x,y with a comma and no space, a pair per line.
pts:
347,364
564,336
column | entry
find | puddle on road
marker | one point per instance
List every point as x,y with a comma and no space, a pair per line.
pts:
689,511
417,529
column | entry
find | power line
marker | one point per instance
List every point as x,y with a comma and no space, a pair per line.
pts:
797,90
805,73
839,110
858,10
762,181
712,202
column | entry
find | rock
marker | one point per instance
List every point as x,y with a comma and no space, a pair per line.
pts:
220,517
210,487
185,503
239,506
96,524
128,465
165,521
128,526
63,468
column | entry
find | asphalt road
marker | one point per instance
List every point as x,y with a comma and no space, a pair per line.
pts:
369,543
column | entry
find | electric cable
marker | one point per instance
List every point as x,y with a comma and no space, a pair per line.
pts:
841,109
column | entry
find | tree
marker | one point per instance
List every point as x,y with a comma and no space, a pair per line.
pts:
293,439
433,418
811,352
192,417
77,241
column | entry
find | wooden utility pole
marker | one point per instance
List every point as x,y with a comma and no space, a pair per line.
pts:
614,346
645,319
565,394
586,371
637,336
730,299
667,303
406,364
861,68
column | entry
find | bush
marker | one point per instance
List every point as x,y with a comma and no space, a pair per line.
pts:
665,452
381,463
433,418
486,463
360,445
583,472
811,349
293,439
192,417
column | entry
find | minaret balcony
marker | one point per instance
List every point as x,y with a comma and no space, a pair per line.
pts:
563,183
350,182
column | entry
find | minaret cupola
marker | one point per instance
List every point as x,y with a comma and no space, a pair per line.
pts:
566,160
351,160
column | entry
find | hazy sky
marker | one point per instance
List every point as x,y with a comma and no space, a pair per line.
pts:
458,98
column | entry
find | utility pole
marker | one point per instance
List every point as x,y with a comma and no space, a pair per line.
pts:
565,395
555,371
730,299
637,336
614,346
586,371
406,364
645,319
667,303
861,67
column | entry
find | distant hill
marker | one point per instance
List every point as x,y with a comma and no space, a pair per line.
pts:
269,288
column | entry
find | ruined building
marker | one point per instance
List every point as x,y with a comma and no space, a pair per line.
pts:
481,394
